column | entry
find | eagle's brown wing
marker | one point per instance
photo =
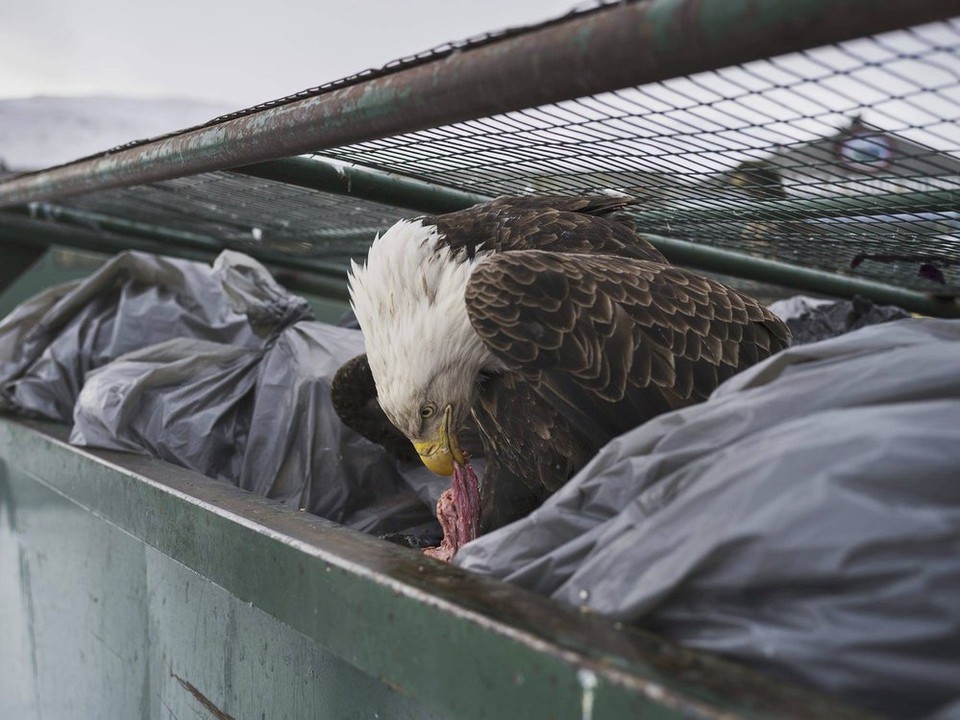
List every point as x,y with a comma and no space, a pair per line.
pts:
607,205
558,224
519,476
353,393
612,341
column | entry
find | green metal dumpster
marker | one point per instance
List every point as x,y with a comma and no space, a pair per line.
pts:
762,141
143,590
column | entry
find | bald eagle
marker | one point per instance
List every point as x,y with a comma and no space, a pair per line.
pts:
544,326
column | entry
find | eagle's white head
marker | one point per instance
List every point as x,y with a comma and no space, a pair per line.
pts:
423,352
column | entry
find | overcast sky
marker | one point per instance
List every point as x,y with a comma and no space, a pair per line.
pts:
238,52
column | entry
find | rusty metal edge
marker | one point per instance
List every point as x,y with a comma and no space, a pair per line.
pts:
614,48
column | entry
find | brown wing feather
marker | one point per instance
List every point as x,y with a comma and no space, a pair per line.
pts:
518,477
613,341
354,397
574,224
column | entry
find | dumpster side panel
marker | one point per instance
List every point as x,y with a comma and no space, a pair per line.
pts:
95,623
75,598
130,588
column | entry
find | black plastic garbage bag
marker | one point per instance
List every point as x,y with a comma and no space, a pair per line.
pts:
48,344
812,319
804,520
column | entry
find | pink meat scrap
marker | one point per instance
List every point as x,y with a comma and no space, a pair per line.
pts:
458,511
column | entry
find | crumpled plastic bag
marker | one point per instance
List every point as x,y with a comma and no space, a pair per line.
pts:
261,419
804,520
185,401
212,368
49,343
814,319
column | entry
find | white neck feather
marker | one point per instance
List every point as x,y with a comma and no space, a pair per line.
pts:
409,301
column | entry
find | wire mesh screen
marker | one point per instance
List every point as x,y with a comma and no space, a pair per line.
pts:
844,158
223,209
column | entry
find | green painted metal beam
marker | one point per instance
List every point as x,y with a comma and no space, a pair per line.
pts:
613,47
704,208
465,646
695,255
18,227
706,257
97,220
114,235
341,178
330,278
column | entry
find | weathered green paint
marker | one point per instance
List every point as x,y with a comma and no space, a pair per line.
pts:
705,257
316,277
131,576
342,178
703,209
617,46
97,624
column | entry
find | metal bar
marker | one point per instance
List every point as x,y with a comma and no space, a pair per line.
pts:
705,257
700,209
96,220
327,278
343,178
466,646
331,278
80,228
43,233
612,48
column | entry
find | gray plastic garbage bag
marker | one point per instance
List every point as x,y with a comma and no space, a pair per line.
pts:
804,520
185,401
298,451
206,367
258,418
48,344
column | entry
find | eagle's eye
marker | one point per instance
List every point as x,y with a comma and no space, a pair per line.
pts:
428,410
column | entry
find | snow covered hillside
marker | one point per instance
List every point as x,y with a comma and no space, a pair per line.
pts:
42,131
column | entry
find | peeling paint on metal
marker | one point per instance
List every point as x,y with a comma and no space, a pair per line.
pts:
588,685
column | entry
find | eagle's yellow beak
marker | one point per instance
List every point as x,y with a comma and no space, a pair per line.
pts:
440,453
